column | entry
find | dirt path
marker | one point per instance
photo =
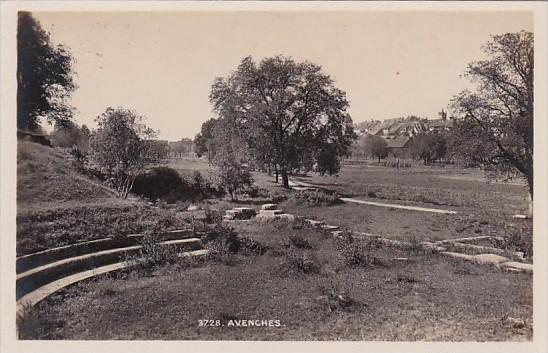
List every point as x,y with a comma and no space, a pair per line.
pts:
391,205
297,184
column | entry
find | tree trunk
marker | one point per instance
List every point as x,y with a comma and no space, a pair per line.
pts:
285,178
277,173
530,185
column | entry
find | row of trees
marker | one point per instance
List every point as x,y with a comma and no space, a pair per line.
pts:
426,147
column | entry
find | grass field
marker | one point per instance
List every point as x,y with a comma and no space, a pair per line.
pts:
318,287
385,294
483,208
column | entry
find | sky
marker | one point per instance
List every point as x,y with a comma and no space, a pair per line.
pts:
162,64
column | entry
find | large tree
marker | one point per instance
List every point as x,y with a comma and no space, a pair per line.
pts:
291,114
376,146
429,147
121,147
44,76
495,125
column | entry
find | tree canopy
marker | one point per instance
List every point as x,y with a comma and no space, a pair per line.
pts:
44,76
121,147
289,114
495,123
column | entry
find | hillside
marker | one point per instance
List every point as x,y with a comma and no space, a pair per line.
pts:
57,206
46,174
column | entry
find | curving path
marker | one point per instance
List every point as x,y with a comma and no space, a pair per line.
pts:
299,185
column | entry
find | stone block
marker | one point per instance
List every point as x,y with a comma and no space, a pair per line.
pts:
269,206
270,212
490,259
514,265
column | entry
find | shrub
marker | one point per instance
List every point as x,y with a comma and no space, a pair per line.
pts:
316,198
299,242
338,296
277,196
213,216
162,183
517,238
232,175
357,253
153,254
296,261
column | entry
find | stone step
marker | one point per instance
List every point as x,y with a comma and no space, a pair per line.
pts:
43,292
38,276
269,206
29,261
270,212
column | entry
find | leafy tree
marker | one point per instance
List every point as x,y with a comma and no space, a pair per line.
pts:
429,147
495,123
44,76
287,113
121,147
232,175
68,134
204,141
376,146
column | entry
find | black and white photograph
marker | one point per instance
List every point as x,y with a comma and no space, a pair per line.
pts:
288,172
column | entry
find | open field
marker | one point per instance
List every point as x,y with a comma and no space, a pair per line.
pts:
317,286
483,208
391,295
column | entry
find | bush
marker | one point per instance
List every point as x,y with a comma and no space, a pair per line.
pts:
232,175
316,198
164,183
296,261
338,296
277,196
299,242
357,253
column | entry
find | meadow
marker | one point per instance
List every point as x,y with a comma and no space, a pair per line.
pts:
316,286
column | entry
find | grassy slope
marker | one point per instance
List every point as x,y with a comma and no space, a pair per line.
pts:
57,206
426,297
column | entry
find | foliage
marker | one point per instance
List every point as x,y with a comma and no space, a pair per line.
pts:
181,147
232,175
289,114
166,184
314,198
298,261
429,147
68,134
44,76
375,146
357,253
122,147
494,129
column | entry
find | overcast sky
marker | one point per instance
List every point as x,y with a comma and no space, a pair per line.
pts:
390,64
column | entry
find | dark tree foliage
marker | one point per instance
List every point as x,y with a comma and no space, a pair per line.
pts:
495,123
44,76
376,146
429,147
